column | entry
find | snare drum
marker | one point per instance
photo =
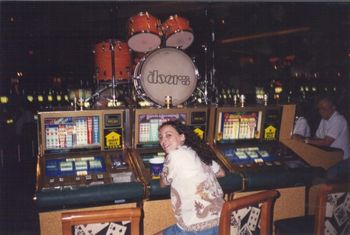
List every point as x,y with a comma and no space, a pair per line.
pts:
103,61
178,32
165,72
144,32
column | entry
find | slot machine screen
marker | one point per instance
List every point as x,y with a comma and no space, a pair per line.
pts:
238,125
74,166
70,133
149,124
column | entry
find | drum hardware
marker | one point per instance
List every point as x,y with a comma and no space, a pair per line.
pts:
168,101
146,101
77,97
113,62
209,48
75,103
266,98
113,76
242,100
205,82
112,100
197,96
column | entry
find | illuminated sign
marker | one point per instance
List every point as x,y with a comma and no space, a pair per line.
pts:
270,133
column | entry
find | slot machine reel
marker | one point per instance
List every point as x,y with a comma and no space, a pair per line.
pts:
178,32
165,72
103,60
144,32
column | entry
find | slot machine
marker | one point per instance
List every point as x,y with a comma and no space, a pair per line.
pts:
147,122
247,140
83,162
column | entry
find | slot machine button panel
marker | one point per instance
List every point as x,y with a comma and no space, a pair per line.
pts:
88,177
100,176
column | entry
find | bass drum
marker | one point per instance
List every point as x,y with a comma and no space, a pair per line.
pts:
165,72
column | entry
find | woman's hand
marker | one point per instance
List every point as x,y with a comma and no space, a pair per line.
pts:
161,181
220,173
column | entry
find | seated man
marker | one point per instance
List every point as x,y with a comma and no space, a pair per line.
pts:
333,132
301,126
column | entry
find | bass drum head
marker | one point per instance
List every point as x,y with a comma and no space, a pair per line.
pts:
166,72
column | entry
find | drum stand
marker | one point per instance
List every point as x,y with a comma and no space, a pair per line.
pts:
111,102
208,88
205,92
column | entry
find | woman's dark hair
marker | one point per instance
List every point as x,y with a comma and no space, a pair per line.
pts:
192,140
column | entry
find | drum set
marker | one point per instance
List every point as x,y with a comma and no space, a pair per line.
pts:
159,69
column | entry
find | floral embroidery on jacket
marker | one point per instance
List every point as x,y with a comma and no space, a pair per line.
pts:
196,195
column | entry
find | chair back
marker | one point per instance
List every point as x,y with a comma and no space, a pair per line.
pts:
333,213
126,221
243,214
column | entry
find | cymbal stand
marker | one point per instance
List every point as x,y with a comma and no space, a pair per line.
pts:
211,92
213,70
205,92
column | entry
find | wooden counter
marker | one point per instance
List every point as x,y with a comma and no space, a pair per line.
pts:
313,155
50,222
159,215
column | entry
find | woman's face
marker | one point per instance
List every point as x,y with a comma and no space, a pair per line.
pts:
170,139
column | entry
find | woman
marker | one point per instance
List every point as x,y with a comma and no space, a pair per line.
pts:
191,172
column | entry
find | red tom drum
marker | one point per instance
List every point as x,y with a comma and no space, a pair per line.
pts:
144,32
178,32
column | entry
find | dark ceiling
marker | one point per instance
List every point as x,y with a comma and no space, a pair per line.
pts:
57,38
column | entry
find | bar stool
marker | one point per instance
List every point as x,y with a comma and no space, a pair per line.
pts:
331,217
245,213
91,221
